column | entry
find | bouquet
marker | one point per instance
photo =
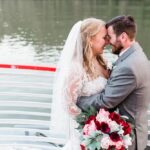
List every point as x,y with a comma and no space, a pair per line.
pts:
104,130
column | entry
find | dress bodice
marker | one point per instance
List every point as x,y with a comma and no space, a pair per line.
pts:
88,88
91,87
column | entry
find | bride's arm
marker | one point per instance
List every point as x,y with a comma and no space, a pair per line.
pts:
73,88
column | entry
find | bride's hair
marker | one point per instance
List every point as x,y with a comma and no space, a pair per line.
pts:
89,28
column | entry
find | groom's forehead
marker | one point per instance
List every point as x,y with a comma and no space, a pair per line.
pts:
110,30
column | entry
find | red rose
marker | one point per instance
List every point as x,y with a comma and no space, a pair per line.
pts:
90,119
98,125
82,147
122,122
126,127
104,127
114,137
114,116
111,147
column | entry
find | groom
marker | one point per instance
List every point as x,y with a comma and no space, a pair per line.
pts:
128,87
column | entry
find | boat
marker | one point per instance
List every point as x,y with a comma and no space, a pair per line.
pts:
25,108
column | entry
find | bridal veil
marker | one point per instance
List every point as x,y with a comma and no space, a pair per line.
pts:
71,61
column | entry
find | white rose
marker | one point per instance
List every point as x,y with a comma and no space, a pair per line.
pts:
114,126
102,115
105,142
127,140
119,144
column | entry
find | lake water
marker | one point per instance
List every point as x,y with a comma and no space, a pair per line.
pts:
34,31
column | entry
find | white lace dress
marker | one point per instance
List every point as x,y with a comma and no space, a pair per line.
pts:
87,88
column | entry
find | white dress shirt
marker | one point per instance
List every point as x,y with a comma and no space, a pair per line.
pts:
121,53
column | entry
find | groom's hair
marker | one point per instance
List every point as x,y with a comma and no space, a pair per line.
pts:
122,24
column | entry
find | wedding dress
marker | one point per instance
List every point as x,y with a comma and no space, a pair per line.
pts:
88,87
71,83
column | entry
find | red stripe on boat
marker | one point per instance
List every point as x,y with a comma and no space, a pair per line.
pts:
42,68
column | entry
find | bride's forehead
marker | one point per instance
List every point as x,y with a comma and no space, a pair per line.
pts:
103,31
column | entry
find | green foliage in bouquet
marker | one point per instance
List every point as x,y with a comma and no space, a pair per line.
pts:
93,142
84,115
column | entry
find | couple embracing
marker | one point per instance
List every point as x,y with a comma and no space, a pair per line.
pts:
84,78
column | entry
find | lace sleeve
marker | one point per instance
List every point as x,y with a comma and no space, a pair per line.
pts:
74,84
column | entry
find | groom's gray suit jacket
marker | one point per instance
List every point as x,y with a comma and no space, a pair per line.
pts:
128,88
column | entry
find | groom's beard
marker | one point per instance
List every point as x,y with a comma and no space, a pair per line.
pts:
117,47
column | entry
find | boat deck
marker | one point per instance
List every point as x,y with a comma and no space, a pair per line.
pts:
25,109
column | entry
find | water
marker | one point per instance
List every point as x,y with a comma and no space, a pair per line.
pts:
34,31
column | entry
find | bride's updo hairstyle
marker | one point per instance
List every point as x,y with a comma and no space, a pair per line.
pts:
89,28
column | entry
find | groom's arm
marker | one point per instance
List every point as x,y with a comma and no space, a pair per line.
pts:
118,87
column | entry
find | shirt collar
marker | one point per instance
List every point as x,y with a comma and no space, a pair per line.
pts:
125,50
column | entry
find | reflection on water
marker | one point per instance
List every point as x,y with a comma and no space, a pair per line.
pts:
16,50
33,32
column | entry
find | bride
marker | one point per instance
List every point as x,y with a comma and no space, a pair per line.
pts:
82,71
